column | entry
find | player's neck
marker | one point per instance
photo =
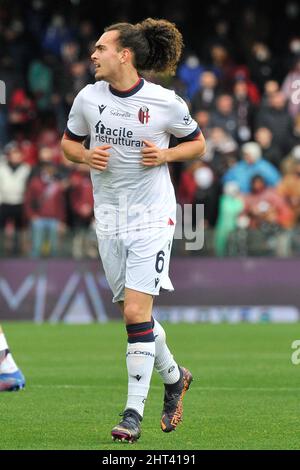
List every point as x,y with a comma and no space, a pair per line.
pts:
125,82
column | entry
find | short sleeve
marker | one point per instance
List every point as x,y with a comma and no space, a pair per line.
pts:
181,124
77,127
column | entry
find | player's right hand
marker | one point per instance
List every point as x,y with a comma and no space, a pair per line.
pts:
97,158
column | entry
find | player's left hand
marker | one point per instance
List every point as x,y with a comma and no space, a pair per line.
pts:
152,155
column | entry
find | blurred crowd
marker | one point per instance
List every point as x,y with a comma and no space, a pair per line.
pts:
245,98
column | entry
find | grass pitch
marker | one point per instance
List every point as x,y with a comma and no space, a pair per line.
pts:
245,393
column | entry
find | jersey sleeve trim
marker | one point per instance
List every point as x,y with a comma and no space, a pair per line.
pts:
71,136
192,136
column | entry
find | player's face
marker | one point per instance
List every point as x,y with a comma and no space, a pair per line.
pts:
107,56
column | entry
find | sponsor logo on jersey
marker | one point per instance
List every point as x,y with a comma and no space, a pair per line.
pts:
119,113
101,108
117,136
144,115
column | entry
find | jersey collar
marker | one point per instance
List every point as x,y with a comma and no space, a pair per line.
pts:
131,91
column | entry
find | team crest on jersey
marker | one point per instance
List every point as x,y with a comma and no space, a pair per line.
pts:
144,115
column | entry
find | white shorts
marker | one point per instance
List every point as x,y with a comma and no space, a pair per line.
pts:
141,264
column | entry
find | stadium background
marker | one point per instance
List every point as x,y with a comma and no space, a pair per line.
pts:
237,73
246,387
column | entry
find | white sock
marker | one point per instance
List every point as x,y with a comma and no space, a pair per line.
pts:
140,362
164,363
8,365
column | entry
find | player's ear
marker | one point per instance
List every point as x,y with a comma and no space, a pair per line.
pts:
125,55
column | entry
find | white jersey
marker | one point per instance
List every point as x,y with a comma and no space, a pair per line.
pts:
129,196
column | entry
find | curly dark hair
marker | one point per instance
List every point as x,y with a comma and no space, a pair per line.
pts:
156,44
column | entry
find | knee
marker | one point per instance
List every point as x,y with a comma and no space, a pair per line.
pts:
134,313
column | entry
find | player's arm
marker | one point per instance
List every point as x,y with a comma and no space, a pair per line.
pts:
75,134
154,156
75,151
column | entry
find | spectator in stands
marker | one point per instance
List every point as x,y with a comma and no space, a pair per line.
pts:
223,65
82,207
270,87
190,72
288,163
13,178
204,98
262,64
199,185
21,113
276,118
266,207
270,150
231,205
291,88
225,116
46,210
244,110
56,34
40,81
251,165
221,151
289,187
203,119
296,131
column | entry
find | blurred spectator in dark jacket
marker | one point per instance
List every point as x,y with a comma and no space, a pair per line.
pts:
251,165
276,118
223,66
225,116
204,98
270,151
262,64
45,209
244,110
13,178
270,87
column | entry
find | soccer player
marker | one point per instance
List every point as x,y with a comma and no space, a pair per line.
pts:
130,121
11,378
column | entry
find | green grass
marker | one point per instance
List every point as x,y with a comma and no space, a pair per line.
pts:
245,394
